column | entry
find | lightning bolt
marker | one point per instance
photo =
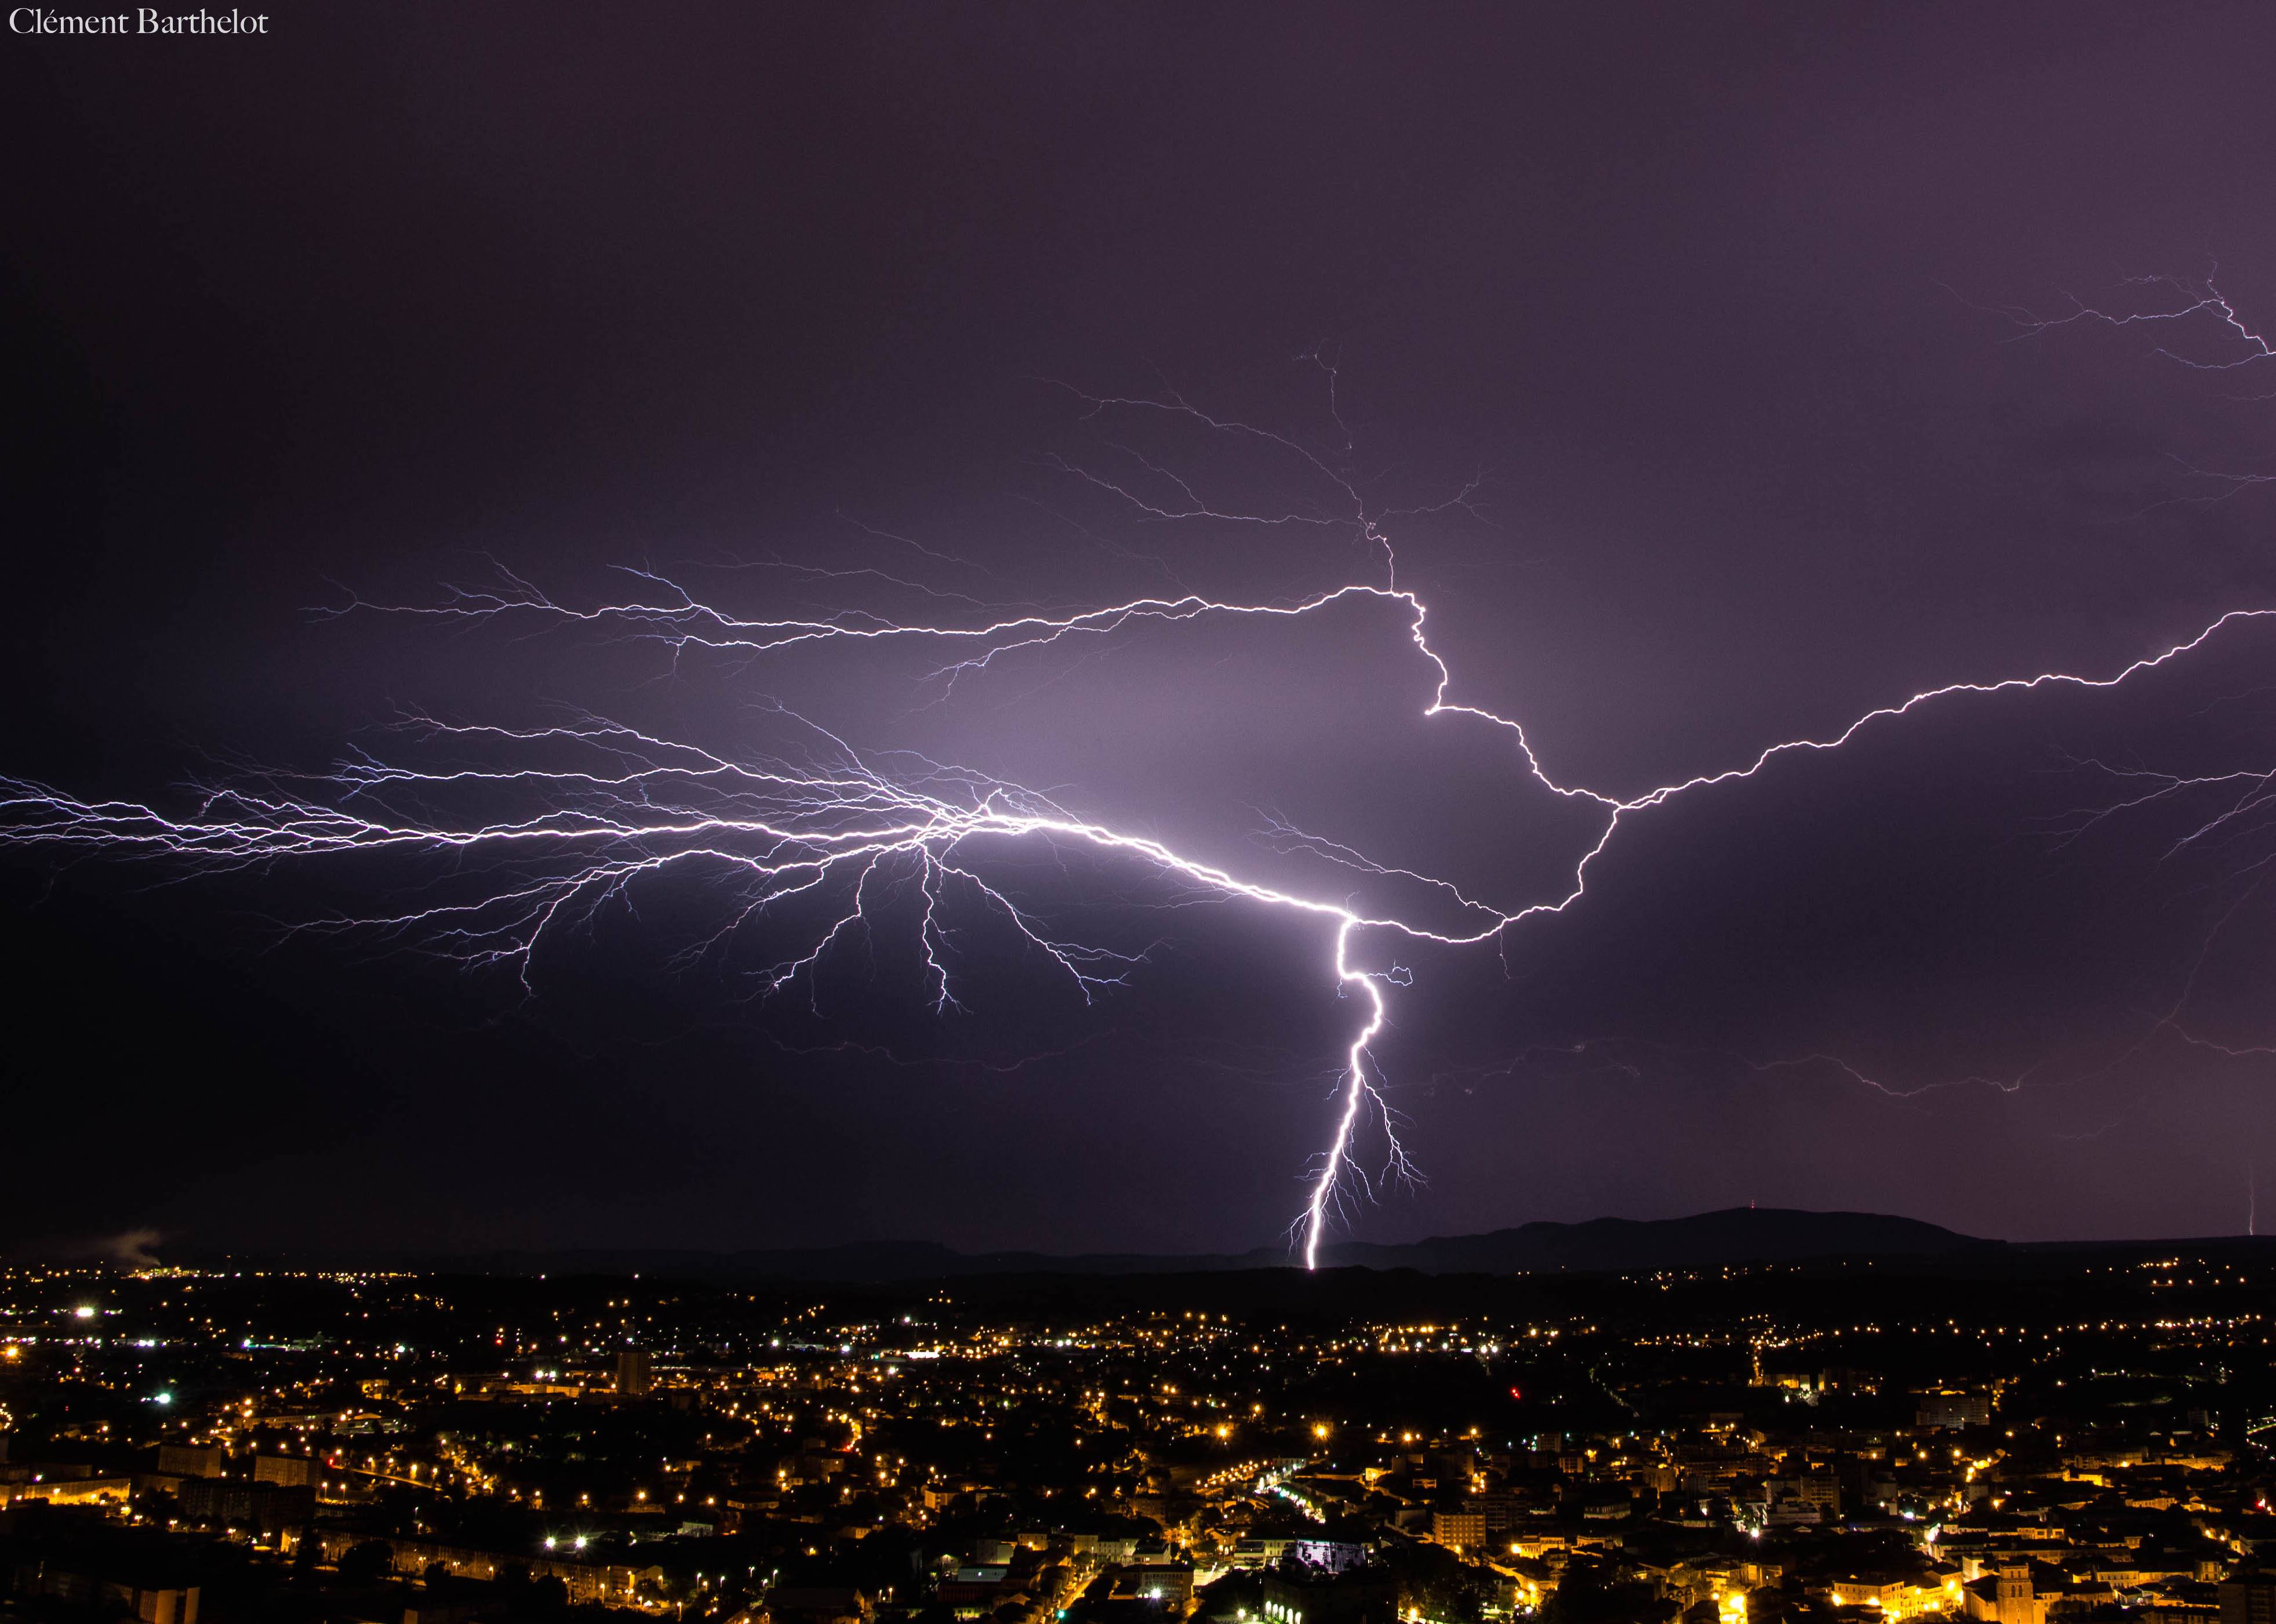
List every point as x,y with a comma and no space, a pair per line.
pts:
2246,344
827,839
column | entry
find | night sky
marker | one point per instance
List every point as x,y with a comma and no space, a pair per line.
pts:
1718,315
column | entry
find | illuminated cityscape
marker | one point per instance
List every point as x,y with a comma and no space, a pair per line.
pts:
2067,1434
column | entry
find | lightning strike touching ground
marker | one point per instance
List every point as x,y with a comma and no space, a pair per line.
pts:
828,841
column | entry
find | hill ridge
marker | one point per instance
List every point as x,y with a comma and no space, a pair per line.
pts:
1600,1245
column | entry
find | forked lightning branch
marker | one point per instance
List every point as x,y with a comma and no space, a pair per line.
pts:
570,818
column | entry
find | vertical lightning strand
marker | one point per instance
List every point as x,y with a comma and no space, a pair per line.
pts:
1355,1089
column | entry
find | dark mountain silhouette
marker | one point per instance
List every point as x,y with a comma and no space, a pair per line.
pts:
1738,1235
1609,1245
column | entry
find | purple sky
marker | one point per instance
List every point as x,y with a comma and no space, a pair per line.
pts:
1707,302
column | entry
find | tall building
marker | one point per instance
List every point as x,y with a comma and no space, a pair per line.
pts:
2249,1598
632,1374
1952,1408
2018,1603
189,1460
1459,1530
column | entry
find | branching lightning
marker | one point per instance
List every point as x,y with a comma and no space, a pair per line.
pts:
2248,346
550,823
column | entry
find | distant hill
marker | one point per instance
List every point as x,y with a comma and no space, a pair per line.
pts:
1739,1234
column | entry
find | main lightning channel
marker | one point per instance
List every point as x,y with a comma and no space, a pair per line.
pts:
873,829
792,829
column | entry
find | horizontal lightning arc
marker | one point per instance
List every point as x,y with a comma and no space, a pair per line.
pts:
792,829
882,824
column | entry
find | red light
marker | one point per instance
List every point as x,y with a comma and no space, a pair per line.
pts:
1514,1393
